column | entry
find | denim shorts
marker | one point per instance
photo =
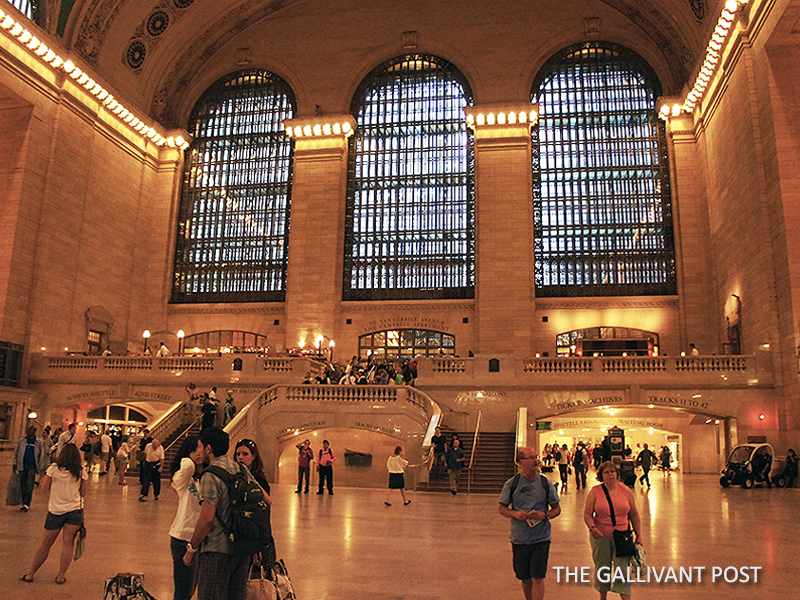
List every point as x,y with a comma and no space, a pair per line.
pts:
56,522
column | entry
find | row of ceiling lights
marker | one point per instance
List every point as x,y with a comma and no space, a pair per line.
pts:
47,55
713,55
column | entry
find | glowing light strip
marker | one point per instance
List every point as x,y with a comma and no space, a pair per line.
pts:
318,129
47,55
502,118
714,52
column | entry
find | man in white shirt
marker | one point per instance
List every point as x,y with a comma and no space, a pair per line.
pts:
105,453
153,457
68,437
162,350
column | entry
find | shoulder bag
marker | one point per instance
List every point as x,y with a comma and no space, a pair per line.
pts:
623,540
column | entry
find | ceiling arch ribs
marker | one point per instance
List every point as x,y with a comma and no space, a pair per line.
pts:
654,19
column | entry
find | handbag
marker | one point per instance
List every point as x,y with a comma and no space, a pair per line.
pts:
284,590
261,588
623,540
640,560
80,541
80,537
126,586
14,494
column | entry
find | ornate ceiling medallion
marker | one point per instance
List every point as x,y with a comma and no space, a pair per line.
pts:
136,53
157,23
699,8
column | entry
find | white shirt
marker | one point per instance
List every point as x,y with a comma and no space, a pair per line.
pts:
105,443
188,501
65,490
396,464
152,455
66,438
163,351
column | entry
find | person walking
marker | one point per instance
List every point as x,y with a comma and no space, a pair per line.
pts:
123,459
66,483
325,467
645,459
530,501
305,456
609,507
153,457
105,453
229,411
396,464
580,461
27,460
439,443
455,463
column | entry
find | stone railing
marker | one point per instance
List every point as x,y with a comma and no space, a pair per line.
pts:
725,371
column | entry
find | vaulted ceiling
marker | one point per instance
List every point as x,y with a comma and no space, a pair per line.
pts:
163,53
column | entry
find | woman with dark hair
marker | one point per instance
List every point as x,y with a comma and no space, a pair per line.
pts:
396,465
185,473
609,507
66,482
246,453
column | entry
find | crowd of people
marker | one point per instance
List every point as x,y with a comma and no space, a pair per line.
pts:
369,371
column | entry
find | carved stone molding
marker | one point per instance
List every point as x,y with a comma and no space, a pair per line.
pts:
226,310
389,307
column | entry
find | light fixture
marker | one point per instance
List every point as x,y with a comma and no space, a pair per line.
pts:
32,414
146,336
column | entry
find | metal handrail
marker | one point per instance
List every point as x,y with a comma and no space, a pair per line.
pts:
472,452
181,434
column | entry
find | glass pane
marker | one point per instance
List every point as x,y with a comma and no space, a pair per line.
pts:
410,203
233,224
116,413
602,206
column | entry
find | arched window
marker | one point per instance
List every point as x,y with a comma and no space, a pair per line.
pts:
29,8
406,343
233,225
602,210
410,201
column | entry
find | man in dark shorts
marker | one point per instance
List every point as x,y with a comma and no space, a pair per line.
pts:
530,501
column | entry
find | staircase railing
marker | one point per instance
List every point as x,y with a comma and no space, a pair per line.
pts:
521,432
472,452
167,422
182,434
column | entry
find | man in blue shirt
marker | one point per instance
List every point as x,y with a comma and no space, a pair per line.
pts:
530,501
27,458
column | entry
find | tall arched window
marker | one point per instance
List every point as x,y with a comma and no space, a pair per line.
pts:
602,209
410,203
29,8
233,226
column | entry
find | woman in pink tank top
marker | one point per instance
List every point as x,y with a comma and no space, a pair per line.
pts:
597,516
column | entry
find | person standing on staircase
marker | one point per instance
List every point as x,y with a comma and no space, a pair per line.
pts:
455,462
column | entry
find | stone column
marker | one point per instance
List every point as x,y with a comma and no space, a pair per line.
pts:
504,227
316,231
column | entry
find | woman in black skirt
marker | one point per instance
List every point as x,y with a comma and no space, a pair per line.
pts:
396,465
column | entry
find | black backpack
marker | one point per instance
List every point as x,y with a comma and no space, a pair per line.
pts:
578,458
249,530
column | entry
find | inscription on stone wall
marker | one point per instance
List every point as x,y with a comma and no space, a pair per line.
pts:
94,394
405,323
303,427
370,427
152,396
678,402
583,402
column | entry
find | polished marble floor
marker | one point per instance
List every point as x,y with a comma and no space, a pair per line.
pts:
350,547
